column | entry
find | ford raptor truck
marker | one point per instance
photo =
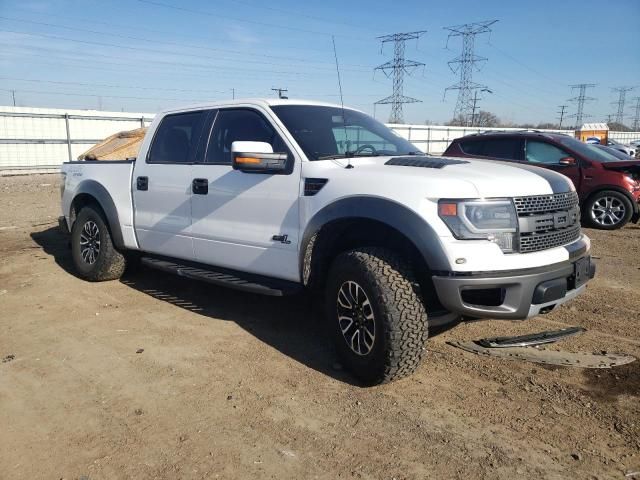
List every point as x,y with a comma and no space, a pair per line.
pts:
280,196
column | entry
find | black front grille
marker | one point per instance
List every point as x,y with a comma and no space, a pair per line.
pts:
538,204
534,242
547,221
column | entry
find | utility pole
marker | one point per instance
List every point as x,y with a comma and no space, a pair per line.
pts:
561,113
13,95
622,93
465,64
396,68
475,102
609,118
233,93
636,117
280,92
581,99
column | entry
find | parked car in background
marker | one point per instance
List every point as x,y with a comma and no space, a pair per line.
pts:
616,153
608,187
628,149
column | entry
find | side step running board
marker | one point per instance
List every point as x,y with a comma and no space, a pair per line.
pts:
531,339
225,278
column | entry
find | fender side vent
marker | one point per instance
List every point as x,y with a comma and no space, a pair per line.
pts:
313,186
430,162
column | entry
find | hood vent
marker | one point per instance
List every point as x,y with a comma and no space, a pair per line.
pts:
313,186
429,162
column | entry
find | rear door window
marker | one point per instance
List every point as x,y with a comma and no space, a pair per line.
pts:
177,138
472,147
507,148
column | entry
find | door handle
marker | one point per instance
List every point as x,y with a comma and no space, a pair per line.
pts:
200,186
142,183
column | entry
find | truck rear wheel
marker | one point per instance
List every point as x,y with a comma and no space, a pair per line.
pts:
375,314
94,255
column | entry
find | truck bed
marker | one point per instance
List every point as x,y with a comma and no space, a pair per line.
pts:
114,177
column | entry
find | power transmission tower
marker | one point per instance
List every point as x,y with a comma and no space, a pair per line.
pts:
280,91
562,108
581,99
622,93
396,68
636,117
465,64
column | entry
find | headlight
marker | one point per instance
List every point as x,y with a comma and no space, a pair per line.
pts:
493,220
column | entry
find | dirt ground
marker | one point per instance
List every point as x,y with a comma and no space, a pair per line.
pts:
233,385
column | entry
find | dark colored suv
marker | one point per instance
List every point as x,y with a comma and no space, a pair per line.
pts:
608,188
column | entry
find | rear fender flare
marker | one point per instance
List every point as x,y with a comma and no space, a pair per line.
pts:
104,200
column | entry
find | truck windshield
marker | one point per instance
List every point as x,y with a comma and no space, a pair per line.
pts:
589,151
331,132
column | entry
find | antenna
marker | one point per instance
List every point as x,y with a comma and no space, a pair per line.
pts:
344,119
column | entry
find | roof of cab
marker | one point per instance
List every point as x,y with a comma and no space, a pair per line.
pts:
263,102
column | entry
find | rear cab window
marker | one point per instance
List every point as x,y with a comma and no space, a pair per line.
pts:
176,138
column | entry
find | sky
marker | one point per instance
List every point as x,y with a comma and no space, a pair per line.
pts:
148,55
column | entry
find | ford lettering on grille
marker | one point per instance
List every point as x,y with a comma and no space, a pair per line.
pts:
547,221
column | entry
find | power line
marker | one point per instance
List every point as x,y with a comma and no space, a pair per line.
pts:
561,113
93,85
218,70
622,93
397,68
243,20
581,99
130,27
465,64
153,50
163,42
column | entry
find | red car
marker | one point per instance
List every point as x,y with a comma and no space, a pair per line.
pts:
608,188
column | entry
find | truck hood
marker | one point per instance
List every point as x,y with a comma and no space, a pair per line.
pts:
456,177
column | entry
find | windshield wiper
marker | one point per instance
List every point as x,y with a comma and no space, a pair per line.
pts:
347,155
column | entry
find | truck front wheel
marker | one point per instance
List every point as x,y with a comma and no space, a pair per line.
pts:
375,314
94,255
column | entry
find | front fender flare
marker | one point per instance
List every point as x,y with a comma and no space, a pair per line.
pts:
393,214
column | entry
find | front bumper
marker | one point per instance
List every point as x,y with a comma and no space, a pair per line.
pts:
515,294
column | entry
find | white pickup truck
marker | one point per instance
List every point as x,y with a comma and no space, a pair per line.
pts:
279,196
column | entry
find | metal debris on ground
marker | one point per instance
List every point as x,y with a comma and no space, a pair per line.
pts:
531,339
548,357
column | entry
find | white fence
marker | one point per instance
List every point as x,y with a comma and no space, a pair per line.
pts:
40,139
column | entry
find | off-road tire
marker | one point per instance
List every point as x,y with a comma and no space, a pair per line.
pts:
400,317
109,263
623,200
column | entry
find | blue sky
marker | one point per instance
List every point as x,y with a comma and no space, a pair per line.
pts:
146,55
